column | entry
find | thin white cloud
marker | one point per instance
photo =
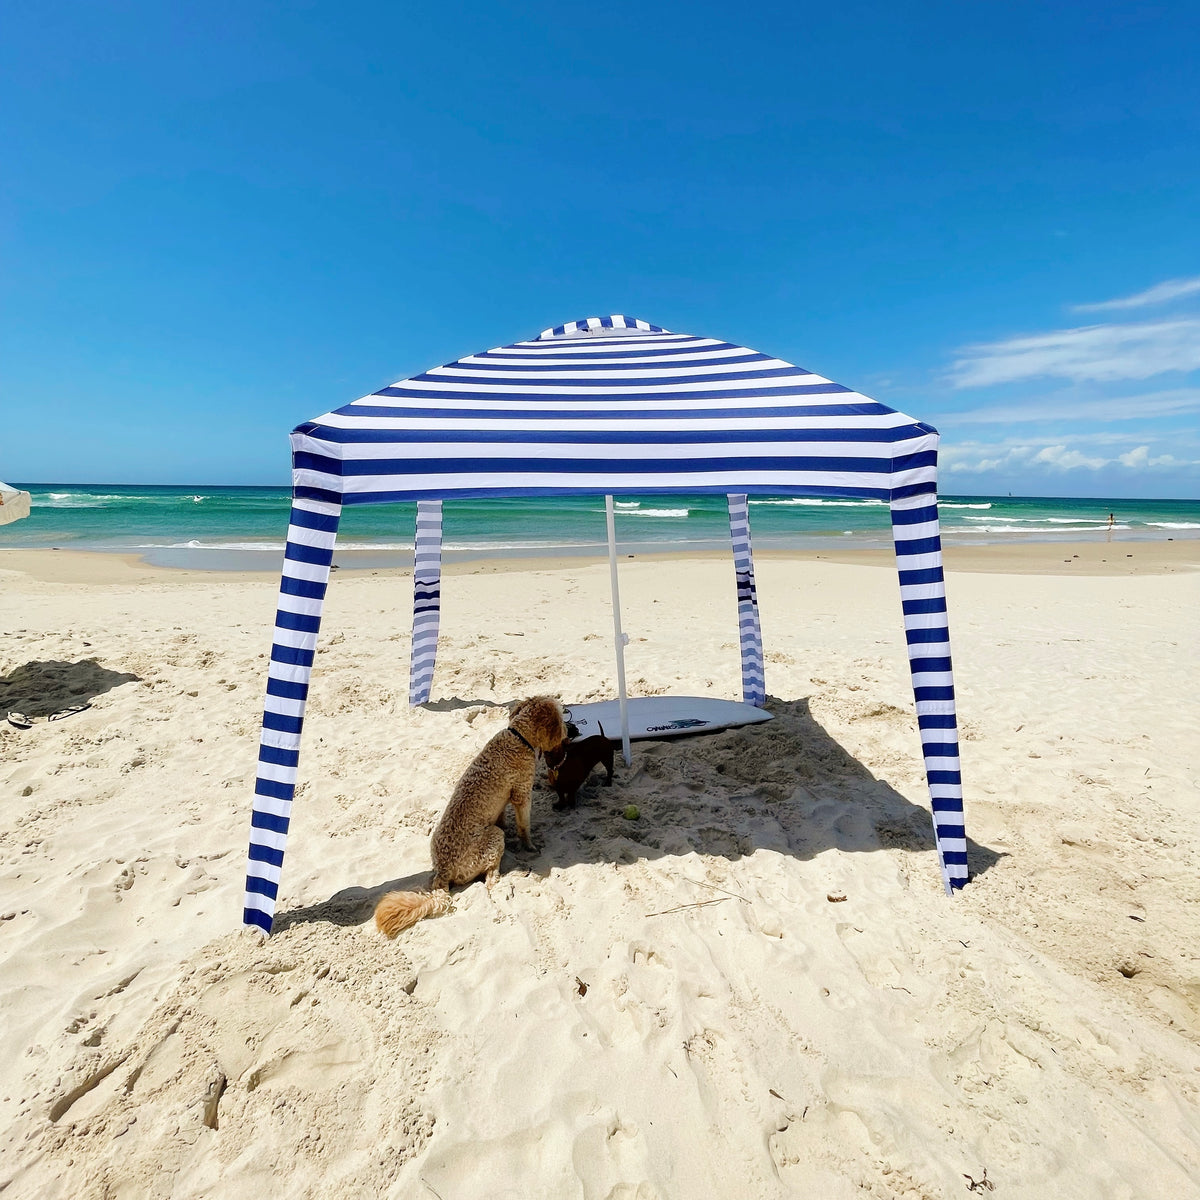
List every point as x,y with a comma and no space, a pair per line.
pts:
1172,403
1064,459
1160,293
977,457
1092,353
1141,457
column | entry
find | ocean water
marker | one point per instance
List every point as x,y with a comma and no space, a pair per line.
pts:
245,526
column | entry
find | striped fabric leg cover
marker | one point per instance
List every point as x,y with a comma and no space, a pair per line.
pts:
306,562
427,600
923,596
754,684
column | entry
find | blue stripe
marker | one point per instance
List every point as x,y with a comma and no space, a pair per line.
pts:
266,854
293,656
924,488
455,432
944,777
262,887
397,391
954,858
630,349
278,756
937,721
929,664
909,462
253,916
589,409
317,556
407,495
657,381
282,723
933,693
305,519
920,637
727,464
308,588
935,604
275,791
929,545
947,806
914,516
287,689
587,362
300,622
939,749
945,832
923,575
269,822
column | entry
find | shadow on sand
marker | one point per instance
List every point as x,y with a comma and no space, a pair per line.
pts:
42,689
784,785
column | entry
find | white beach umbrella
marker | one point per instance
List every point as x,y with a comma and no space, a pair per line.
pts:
14,504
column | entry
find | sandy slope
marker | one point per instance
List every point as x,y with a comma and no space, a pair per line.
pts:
678,1006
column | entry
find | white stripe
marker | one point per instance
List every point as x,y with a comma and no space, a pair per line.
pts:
267,837
271,806
609,421
908,533
327,508
925,621
907,503
284,706
599,452
289,672
933,678
923,591
919,562
278,739
551,390
454,374
276,774
262,870
300,536
598,482
313,572
498,358
302,606
295,638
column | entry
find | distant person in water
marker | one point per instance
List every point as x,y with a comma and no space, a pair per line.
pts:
1111,520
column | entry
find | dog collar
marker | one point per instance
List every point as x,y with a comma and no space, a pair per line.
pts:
521,736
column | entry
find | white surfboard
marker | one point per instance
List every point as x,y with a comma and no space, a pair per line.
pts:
662,716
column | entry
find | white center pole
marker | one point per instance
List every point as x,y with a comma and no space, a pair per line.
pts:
619,638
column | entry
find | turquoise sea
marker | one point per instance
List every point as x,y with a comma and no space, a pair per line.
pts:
245,526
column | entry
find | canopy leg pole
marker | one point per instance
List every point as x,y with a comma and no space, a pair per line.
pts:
312,532
619,638
917,537
427,600
754,683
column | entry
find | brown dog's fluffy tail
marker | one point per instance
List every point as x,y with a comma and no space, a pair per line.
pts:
399,910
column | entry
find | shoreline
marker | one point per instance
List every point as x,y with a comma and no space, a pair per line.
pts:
1112,557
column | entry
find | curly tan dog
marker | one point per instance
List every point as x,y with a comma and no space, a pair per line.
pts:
468,841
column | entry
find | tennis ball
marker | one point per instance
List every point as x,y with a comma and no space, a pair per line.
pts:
632,812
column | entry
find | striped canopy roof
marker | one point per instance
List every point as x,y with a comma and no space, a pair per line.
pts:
612,405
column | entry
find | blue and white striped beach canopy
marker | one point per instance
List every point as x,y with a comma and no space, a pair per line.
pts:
604,406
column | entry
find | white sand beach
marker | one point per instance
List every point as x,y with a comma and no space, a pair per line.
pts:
756,989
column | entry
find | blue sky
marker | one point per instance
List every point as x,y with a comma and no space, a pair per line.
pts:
221,219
